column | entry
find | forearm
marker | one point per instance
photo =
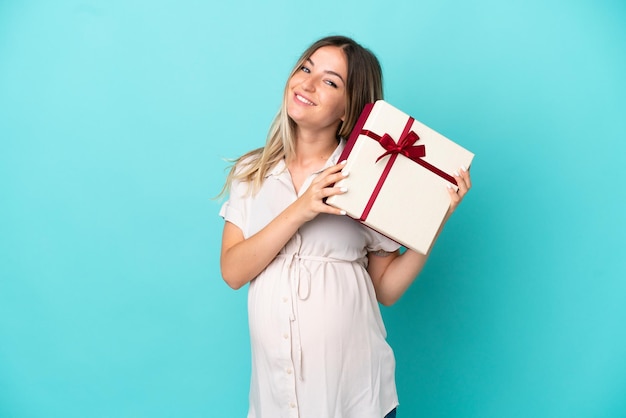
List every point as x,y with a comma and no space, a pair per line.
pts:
392,279
244,259
398,276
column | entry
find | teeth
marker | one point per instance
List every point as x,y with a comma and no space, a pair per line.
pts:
303,100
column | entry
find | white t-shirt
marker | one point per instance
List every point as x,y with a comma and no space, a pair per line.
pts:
316,331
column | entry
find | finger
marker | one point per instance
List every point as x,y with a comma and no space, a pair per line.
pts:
323,176
454,196
332,210
335,168
329,179
460,182
332,191
466,176
454,199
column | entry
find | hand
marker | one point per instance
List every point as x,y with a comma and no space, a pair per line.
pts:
463,180
312,203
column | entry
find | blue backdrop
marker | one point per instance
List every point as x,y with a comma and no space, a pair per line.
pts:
116,117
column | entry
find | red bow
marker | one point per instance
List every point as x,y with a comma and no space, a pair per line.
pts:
404,146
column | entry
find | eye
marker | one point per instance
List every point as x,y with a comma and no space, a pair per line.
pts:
331,83
305,69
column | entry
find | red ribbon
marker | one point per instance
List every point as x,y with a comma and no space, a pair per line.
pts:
405,146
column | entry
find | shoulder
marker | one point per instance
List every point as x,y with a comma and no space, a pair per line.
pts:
245,163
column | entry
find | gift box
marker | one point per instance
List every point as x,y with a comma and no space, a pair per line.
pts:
398,172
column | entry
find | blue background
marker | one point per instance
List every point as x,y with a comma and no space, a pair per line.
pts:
116,118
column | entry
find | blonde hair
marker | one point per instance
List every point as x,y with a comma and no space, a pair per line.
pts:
363,85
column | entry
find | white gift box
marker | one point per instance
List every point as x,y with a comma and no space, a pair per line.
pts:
403,195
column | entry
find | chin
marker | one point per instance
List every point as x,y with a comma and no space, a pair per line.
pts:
294,116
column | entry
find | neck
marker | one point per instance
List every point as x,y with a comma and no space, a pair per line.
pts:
313,148
313,152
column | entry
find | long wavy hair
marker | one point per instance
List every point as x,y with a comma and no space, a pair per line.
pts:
364,85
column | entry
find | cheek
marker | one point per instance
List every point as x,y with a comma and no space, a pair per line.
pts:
341,108
295,79
290,84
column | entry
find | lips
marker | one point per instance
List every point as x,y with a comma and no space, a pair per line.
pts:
304,100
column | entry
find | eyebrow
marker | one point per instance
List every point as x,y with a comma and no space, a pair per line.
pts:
328,71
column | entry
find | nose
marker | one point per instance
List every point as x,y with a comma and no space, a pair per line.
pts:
308,84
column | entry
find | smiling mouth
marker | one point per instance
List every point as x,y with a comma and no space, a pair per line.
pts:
304,100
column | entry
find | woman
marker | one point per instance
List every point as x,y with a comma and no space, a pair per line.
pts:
316,277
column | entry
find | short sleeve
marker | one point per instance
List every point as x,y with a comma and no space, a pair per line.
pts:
378,242
235,209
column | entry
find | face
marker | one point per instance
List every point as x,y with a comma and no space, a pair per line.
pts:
316,93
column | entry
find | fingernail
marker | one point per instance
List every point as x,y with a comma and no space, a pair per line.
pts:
463,168
344,189
343,162
344,172
448,186
343,212
456,173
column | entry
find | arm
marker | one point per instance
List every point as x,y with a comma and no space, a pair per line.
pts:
243,259
392,275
